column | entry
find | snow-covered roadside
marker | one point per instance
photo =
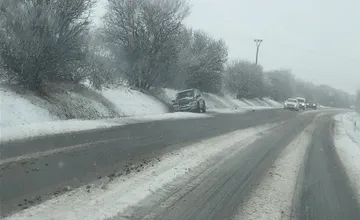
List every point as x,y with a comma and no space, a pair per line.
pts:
133,103
238,110
67,126
223,102
26,115
227,110
347,145
273,197
114,197
273,103
17,110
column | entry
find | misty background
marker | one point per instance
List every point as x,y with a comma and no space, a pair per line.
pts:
316,39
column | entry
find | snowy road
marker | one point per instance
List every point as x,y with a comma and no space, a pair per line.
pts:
270,164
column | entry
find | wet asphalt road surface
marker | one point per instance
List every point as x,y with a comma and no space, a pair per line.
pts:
96,154
218,194
323,191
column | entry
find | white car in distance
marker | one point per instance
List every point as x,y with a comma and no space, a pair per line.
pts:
292,104
302,103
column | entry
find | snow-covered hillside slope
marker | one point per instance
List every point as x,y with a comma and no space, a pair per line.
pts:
17,110
133,103
79,103
70,109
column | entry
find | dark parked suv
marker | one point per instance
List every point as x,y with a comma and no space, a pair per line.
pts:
189,100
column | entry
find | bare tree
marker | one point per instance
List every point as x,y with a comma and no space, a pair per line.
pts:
143,34
244,79
207,60
179,70
43,40
100,66
282,84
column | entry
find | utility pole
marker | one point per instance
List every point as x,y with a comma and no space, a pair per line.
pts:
257,42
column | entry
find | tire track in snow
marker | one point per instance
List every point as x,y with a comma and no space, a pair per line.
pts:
218,194
272,199
325,192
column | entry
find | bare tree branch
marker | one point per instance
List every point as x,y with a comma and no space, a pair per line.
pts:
43,40
244,79
145,32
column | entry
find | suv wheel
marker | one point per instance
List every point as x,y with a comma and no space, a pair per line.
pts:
204,108
198,108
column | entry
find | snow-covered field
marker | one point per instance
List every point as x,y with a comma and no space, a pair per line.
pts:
26,115
347,143
122,193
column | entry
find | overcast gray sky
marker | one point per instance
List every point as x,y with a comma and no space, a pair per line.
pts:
319,40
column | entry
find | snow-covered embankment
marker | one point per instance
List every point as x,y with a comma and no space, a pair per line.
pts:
81,108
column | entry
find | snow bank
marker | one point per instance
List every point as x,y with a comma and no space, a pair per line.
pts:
16,110
79,105
351,122
166,94
126,192
273,103
131,102
75,103
347,143
66,126
236,102
25,116
50,127
228,110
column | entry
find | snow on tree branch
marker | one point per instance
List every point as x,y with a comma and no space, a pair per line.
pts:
43,40
144,35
